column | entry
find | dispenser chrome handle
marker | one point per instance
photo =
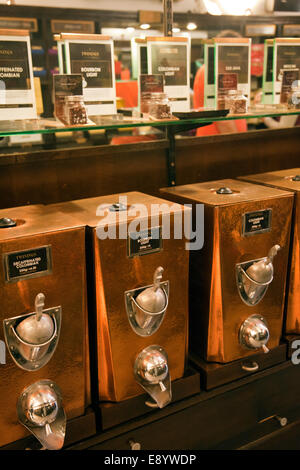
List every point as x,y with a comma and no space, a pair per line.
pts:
151,404
252,368
39,305
265,349
48,429
41,411
282,420
162,386
134,445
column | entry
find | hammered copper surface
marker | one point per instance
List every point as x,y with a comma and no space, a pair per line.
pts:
284,179
216,309
115,273
42,226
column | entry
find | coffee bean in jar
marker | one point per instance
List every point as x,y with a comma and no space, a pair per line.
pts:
75,111
236,102
159,107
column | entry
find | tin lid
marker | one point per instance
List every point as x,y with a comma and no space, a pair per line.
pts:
283,179
6,222
115,208
33,220
222,192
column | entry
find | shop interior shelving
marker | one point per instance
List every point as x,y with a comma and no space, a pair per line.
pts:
52,126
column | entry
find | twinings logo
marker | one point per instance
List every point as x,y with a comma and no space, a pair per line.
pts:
90,53
6,52
26,256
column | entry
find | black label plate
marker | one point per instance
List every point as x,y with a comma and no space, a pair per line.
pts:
257,222
144,242
28,263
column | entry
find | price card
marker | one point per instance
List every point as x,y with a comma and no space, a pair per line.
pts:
268,72
170,56
209,74
289,78
92,56
17,97
233,56
286,57
139,63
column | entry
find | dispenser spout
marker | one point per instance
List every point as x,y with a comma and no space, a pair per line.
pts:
272,253
158,274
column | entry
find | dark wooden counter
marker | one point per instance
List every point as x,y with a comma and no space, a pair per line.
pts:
230,417
50,176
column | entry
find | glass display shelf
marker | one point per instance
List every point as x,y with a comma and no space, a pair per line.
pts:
51,125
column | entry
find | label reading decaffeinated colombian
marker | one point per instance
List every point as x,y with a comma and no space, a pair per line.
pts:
28,263
257,222
144,242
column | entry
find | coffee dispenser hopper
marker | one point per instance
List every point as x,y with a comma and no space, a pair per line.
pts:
254,277
32,338
147,306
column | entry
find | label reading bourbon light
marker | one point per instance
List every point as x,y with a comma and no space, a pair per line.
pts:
257,222
27,264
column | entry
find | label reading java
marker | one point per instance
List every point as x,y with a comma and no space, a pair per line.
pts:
234,59
93,61
14,67
257,222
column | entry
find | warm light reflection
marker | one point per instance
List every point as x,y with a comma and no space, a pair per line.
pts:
145,26
191,26
230,7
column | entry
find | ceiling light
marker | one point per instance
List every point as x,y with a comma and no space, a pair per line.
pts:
191,26
176,30
212,7
130,29
145,26
240,7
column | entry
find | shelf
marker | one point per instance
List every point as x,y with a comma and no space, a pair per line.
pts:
50,126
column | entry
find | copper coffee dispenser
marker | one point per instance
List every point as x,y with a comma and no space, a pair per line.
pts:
44,366
140,302
237,280
290,181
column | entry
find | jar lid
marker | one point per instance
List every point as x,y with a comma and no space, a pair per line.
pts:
158,94
74,98
6,222
232,92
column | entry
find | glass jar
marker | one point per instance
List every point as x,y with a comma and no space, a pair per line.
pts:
236,102
75,111
145,101
294,98
159,107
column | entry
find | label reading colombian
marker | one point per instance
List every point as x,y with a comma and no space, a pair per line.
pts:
144,242
27,264
257,222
